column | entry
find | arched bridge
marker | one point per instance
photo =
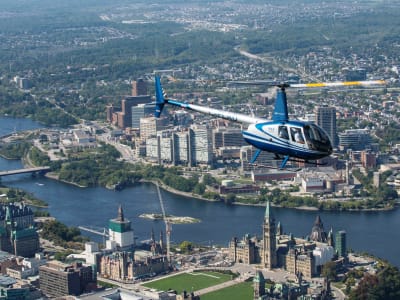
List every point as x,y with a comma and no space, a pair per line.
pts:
27,170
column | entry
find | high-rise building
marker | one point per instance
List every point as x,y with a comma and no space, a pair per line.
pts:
340,243
57,279
269,233
126,108
109,113
227,138
139,87
149,126
326,119
141,111
181,147
200,142
356,74
355,139
121,233
368,159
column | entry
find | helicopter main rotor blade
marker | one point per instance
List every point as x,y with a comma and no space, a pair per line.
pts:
340,83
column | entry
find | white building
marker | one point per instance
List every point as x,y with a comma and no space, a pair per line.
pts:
323,254
312,184
200,140
120,232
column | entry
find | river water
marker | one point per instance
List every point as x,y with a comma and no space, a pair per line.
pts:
373,232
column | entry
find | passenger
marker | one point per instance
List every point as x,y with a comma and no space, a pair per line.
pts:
298,137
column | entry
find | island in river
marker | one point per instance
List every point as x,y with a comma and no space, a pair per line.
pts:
170,218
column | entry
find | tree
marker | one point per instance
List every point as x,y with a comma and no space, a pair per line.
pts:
186,246
384,285
208,179
329,270
199,189
229,199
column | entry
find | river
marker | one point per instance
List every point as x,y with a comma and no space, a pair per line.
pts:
373,232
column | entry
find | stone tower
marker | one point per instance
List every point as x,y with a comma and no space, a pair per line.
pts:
259,285
121,233
269,241
318,233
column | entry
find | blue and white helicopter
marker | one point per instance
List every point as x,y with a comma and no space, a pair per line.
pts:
288,139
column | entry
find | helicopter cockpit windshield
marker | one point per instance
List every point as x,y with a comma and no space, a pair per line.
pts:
317,138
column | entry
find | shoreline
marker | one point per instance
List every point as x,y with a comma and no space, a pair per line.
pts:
307,208
53,176
198,197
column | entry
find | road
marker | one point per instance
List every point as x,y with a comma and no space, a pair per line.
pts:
274,62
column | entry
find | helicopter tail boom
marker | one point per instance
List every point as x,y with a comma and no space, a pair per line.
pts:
161,100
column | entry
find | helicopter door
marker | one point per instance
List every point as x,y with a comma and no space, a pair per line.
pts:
297,135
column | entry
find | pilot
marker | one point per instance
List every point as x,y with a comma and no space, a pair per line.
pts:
283,133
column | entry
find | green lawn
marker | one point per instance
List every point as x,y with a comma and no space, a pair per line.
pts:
240,291
189,281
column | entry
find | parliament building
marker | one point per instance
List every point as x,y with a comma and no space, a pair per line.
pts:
278,250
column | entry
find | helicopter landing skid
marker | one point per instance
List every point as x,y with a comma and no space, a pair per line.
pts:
285,160
273,168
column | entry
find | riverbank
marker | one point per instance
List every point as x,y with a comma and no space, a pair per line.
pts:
331,204
54,176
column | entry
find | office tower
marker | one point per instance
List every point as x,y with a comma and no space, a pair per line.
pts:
57,279
148,127
200,142
121,233
356,74
181,147
368,159
355,139
141,111
139,87
269,232
326,119
227,138
109,113
340,243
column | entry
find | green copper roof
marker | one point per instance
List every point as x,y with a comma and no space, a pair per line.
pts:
23,233
118,226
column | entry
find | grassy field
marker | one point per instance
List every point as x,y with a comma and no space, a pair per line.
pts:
189,281
241,291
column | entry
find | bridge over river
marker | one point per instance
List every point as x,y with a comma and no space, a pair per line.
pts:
27,170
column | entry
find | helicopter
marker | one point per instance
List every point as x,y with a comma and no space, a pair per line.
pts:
293,140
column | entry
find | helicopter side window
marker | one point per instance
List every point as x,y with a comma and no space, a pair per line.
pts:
309,133
283,132
315,134
297,136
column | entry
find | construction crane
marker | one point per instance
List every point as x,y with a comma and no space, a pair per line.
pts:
104,233
168,227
